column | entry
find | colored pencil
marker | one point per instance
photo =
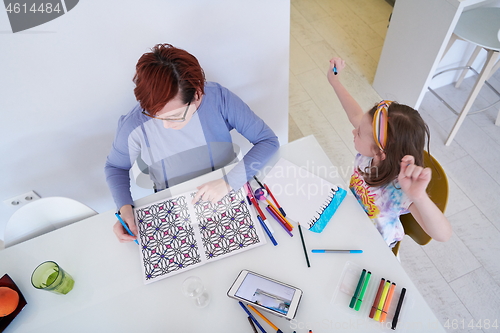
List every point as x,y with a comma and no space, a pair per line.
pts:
278,220
252,324
303,245
281,218
265,319
253,318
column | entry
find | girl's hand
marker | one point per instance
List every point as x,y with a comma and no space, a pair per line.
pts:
212,191
414,179
339,65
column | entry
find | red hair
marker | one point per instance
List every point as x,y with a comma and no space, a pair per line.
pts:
164,72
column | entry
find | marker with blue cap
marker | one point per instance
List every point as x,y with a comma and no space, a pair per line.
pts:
126,227
337,251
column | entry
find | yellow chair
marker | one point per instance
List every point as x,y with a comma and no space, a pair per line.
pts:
438,192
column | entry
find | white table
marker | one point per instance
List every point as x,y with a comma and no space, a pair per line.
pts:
109,295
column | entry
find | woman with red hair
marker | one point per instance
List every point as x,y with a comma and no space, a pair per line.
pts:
181,129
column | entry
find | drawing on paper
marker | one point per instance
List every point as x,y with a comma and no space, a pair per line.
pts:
226,226
167,238
175,235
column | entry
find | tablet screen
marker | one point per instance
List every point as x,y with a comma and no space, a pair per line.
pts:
267,293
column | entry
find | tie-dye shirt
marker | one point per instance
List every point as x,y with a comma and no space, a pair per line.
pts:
383,204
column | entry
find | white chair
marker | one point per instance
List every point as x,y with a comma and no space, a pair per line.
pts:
42,216
479,26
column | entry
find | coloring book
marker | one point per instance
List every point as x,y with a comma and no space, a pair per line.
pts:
305,197
176,235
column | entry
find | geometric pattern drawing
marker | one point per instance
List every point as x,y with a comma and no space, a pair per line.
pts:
167,237
176,235
225,226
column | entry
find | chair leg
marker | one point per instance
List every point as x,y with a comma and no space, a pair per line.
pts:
452,40
491,59
469,64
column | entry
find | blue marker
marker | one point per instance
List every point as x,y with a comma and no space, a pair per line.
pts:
337,251
267,230
126,227
335,70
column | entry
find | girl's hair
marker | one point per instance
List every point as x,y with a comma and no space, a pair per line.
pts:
162,73
406,135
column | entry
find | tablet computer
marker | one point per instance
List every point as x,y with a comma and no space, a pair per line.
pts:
266,294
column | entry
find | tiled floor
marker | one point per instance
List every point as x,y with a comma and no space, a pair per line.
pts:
460,279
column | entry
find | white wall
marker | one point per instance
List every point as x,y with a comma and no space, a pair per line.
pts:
64,84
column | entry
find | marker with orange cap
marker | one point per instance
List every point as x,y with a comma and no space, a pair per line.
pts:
387,303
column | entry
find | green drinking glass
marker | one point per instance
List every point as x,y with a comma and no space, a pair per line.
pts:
51,277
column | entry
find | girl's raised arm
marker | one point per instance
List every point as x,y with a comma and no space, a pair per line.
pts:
353,110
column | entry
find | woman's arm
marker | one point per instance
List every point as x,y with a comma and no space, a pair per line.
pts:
413,180
353,110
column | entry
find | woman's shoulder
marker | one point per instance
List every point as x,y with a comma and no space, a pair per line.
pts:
131,120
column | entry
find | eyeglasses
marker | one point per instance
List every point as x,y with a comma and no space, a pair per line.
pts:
174,120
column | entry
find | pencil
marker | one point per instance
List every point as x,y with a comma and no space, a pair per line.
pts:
265,319
253,318
303,245
252,324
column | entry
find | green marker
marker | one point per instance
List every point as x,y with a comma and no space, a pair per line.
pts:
358,289
363,290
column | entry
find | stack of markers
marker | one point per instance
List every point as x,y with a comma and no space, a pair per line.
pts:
383,298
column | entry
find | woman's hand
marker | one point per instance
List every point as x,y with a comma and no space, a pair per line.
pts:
414,179
127,216
212,191
339,65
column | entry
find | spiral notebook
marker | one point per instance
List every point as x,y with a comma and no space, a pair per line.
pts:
305,197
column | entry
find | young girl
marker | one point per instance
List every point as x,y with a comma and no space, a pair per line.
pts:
388,178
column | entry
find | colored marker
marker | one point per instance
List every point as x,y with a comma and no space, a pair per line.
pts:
304,245
387,302
382,301
265,319
363,290
335,70
272,196
278,220
398,309
268,232
358,289
257,207
260,195
337,251
281,218
253,318
125,226
377,298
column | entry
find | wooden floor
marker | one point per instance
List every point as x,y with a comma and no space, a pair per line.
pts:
460,279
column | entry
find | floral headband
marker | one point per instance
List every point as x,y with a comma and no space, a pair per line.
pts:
380,121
